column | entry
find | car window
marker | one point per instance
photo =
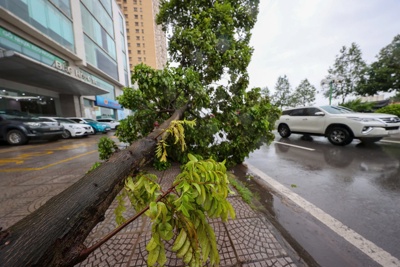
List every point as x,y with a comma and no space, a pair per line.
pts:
311,111
336,109
286,112
297,112
90,120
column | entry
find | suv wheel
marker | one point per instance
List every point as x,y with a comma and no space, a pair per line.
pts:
284,130
16,137
339,136
66,134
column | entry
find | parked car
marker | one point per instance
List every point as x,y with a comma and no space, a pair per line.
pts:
71,128
340,125
110,122
97,126
18,128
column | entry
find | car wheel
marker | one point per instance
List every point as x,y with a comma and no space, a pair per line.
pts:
16,137
66,134
339,136
370,140
284,130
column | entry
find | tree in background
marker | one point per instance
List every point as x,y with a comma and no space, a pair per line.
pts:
304,94
208,41
384,74
282,96
350,66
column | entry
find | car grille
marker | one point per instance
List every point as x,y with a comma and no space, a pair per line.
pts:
391,120
391,128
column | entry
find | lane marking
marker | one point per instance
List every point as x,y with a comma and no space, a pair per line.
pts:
390,141
301,147
49,165
370,249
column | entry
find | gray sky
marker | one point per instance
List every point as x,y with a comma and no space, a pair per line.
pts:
301,38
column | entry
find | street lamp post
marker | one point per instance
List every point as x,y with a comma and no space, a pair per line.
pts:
331,81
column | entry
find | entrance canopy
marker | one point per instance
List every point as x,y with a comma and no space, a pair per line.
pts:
19,68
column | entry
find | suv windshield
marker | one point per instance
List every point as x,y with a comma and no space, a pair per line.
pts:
336,109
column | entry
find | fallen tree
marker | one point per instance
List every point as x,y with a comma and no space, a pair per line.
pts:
53,235
210,42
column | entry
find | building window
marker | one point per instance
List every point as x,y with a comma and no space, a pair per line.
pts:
145,59
135,9
144,45
141,23
142,38
139,59
136,16
138,45
143,31
139,52
137,30
137,24
137,38
144,52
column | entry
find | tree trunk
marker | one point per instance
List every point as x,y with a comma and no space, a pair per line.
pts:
53,235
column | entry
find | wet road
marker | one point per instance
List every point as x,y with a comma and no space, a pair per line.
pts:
358,185
32,174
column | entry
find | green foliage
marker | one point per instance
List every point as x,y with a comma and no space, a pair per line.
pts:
304,94
94,166
177,131
209,43
161,165
390,109
358,106
350,66
283,91
200,190
383,75
243,191
106,147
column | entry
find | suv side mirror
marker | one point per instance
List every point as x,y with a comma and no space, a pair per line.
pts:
319,113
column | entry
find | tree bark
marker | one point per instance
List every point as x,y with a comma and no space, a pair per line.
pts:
53,235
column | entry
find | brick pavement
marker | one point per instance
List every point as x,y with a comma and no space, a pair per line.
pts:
249,240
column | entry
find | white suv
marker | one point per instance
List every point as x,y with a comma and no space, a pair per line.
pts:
339,124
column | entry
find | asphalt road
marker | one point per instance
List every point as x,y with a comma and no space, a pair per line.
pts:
33,173
351,196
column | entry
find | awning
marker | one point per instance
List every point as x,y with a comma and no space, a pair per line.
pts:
19,68
107,103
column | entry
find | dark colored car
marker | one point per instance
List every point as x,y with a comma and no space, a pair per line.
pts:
18,128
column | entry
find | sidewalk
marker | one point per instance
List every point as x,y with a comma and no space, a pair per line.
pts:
249,240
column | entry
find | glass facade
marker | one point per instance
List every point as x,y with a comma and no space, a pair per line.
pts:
97,57
99,37
123,49
10,41
97,33
45,17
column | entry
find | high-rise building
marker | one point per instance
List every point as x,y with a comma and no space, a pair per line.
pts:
146,41
63,58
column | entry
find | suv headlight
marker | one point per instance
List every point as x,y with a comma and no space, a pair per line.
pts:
362,119
33,124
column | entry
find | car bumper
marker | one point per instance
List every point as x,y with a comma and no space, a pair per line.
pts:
377,132
44,135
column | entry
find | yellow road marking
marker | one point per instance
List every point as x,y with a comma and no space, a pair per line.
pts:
20,159
49,165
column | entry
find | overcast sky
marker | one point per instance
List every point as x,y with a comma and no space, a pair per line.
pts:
300,38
